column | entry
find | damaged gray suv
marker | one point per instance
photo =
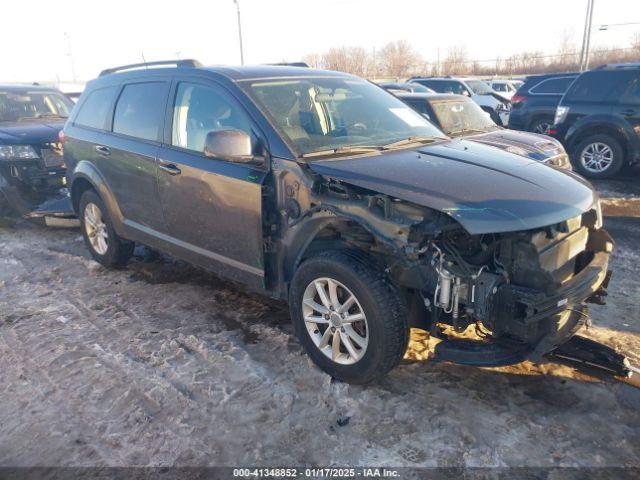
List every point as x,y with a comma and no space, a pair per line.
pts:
322,189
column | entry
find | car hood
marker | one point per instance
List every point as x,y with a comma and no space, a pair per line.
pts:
531,145
485,189
30,132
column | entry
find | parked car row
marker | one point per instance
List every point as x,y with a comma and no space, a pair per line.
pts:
324,190
496,105
459,116
595,115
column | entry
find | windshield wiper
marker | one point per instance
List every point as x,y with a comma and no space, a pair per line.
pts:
468,130
49,115
344,149
411,141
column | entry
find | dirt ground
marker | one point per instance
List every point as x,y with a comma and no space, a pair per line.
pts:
161,364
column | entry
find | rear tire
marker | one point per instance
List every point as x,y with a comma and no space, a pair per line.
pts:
540,125
368,347
598,156
105,246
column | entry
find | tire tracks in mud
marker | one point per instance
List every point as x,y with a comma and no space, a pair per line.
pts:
156,367
149,394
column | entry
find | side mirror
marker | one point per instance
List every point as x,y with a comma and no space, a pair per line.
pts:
230,145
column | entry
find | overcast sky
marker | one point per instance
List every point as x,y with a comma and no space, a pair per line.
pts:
115,32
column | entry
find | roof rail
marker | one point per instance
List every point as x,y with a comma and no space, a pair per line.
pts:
290,64
135,66
618,65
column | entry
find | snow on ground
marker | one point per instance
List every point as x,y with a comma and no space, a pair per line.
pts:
161,364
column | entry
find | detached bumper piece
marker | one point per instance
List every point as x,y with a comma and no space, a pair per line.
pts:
583,352
55,212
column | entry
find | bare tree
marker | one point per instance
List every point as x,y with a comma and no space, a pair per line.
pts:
314,60
399,59
635,44
346,59
359,61
567,51
456,62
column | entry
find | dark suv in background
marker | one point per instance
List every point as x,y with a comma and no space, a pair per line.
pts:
598,120
323,189
533,106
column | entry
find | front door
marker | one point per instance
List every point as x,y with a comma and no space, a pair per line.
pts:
212,207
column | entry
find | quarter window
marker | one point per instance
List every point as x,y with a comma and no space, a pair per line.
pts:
446,86
592,87
552,86
200,109
140,109
95,109
628,89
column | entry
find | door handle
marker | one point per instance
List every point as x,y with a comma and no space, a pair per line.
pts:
102,150
170,168
628,112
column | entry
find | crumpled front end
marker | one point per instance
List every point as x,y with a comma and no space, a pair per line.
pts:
525,289
521,291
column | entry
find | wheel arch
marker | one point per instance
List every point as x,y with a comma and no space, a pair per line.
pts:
318,234
600,126
538,116
85,177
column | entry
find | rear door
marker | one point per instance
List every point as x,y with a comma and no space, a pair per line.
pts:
626,102
129,157
212,207
588,95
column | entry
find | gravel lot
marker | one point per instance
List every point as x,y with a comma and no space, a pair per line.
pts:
161,364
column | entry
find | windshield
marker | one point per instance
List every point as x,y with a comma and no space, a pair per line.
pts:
18,106
321,114
459,116
479,87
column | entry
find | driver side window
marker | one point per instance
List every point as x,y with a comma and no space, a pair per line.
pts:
200,109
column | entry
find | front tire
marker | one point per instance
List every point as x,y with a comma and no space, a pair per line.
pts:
105,246
598,156
349,317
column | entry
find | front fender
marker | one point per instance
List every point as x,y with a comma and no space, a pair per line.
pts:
86,171
298,238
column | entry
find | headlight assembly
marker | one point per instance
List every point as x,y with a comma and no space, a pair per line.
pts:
17,152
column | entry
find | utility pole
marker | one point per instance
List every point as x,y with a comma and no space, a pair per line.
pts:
239,31
70,55
586,37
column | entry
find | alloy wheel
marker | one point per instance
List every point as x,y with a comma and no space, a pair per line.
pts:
96,229
596,157
335,321
542,127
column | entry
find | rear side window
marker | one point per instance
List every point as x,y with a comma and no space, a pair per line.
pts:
593,86
418,106
140,110
552,86
445,86
95,109
628,88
